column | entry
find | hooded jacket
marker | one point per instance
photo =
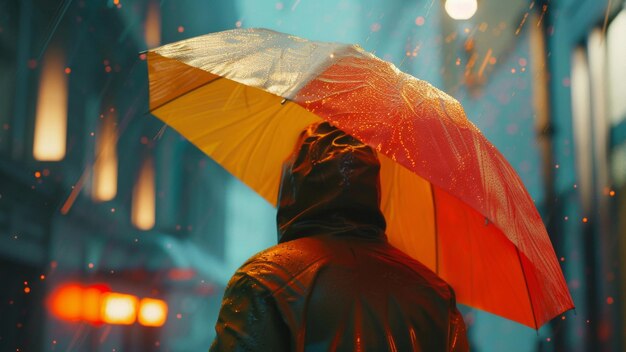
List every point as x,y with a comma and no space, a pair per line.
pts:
333,282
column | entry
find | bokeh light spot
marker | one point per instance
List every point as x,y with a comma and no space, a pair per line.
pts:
152,312
118,308
461,9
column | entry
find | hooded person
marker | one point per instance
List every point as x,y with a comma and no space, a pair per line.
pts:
333,282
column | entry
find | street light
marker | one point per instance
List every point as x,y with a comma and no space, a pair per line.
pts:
461,9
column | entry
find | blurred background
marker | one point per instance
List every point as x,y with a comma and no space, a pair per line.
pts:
103,209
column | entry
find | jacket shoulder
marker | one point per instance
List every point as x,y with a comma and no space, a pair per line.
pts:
282,263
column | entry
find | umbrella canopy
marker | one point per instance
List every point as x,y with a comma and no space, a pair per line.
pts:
450,198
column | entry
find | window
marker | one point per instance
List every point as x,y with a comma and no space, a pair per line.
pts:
51,118
616,55
581,114
144,197
105,164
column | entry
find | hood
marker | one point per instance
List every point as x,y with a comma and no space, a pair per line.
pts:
330,185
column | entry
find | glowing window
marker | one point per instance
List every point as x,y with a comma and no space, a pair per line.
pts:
143,208
616,57
105,165
581,113
596,52
51,116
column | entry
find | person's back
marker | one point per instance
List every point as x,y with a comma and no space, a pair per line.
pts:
333,283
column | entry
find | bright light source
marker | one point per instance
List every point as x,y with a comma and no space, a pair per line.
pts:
51,116
152,312
66,302
75,302
96,304
91,297
105,166
143,207
461,9
118,308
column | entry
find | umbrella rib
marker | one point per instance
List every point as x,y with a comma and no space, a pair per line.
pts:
432,192
187,92
530,300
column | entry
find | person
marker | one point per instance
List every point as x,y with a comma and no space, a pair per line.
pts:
333,282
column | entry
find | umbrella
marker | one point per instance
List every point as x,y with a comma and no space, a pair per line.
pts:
450,198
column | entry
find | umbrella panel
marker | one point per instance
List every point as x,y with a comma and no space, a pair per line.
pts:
406,201
246,130
453,240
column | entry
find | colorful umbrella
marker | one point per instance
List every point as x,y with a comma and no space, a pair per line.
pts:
450,198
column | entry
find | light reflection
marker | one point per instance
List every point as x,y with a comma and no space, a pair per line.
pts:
105,166
51,116
153,25
143,210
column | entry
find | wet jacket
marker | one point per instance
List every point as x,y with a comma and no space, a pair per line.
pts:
333,283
